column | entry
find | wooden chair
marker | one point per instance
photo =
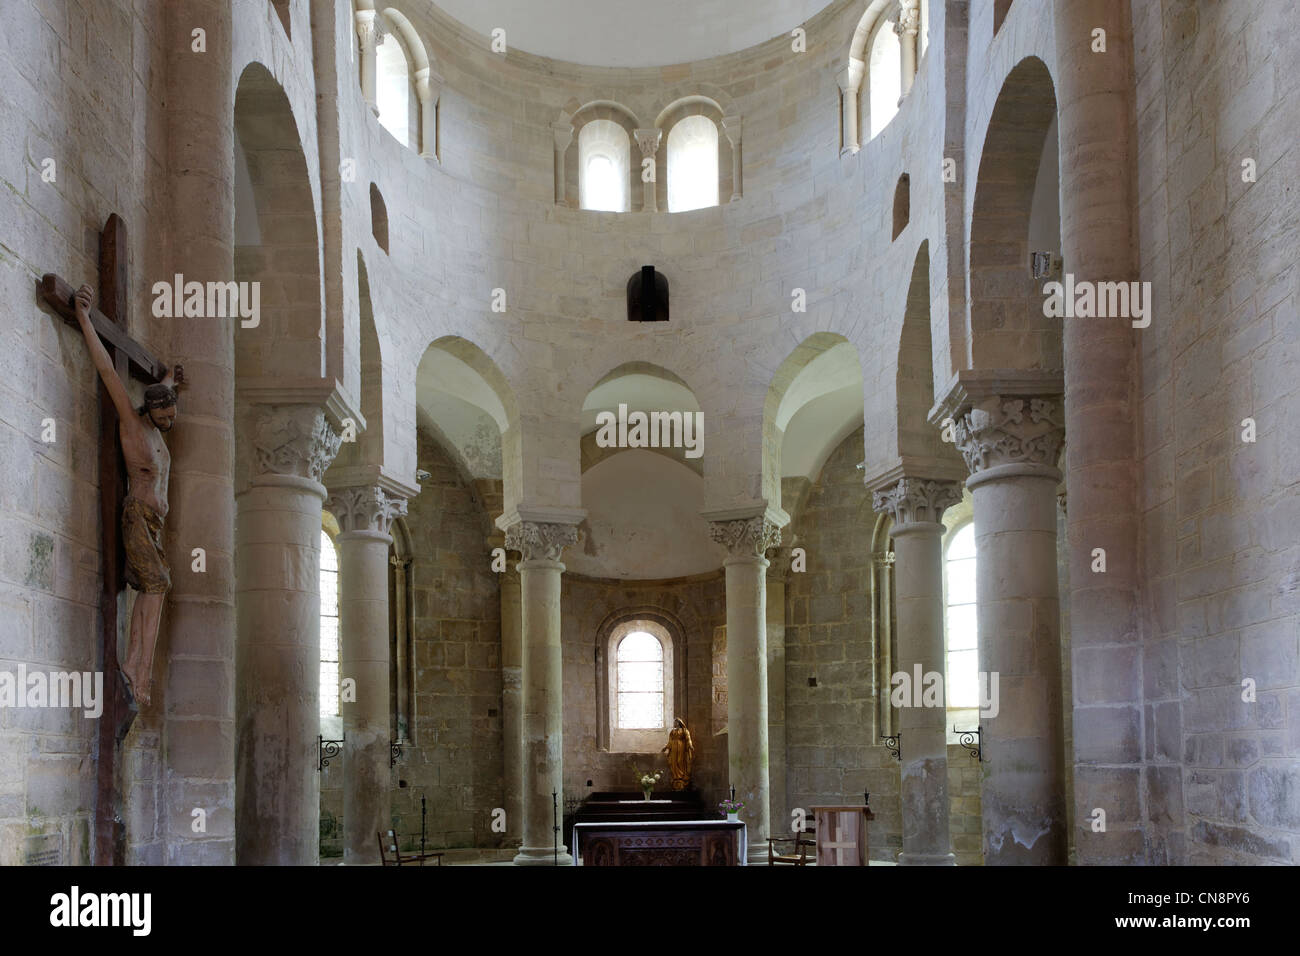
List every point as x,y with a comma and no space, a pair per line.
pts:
802,842
388,845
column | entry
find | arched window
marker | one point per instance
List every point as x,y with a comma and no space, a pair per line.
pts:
961,619
393,93
639,663
329,627
693,164
603,156
639,673
884,77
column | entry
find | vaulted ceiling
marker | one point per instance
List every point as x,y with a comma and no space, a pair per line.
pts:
633,32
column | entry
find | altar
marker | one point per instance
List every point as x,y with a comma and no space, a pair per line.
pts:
660,843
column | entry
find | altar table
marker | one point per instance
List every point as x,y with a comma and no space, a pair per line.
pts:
660,843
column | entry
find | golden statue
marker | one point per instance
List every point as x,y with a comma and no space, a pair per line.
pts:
681,753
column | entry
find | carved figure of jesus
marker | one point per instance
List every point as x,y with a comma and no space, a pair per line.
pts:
148,466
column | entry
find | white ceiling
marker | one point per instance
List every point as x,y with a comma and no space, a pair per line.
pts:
633,32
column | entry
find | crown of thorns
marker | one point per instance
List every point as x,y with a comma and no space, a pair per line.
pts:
158,396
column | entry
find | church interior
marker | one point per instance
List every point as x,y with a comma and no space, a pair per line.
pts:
821,432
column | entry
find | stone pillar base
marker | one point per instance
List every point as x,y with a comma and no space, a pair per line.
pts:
542,856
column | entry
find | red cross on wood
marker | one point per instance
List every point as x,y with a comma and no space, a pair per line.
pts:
133,359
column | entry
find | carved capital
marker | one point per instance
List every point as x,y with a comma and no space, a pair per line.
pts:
295,440
915,500
540,541
1008,431
365,509
648,140
428,85
367,28
746,537
883,559
909,18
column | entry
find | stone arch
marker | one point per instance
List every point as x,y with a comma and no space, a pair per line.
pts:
1007,328
856,78
456,367
605,631
914,382
276,238
570,123
378,217
791,391
426,82
643,498
902,204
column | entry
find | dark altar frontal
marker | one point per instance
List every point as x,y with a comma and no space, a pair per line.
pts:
673,828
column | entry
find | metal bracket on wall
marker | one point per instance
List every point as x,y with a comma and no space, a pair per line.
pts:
895,745
327,750
970,739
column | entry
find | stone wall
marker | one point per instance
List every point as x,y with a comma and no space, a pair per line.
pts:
1217,87
456,758
699,604
833,751
73,149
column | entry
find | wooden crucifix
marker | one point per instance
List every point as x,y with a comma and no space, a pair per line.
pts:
142,453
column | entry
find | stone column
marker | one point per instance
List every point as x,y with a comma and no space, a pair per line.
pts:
907,28
1095,114
746,540
563,136
512,655
849,81
277,809
428,89
542,683
364,515
777,572
916,507
1011,444
731,126
648,140
367,42
882,564
198,625
405,659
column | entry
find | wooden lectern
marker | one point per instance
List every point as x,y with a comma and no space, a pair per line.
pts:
842,835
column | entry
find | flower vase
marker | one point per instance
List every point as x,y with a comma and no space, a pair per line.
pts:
646,793
733,817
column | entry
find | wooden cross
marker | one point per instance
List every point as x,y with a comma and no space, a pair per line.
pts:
130,358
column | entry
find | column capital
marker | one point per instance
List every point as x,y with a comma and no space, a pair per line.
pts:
428,84
732,127
366,508
916,500
746,537
367,26
849,79
883,559
563,134
293,440
909,18
648,140
1011,430
541,540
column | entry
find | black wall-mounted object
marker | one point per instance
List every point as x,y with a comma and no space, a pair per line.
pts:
647,296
